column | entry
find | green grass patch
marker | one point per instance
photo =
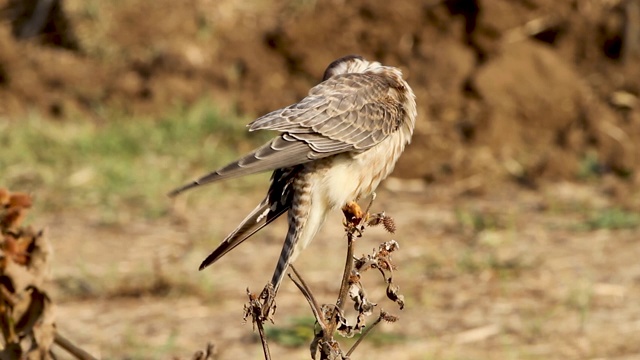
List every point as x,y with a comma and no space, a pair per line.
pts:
613,218
124,167
298,332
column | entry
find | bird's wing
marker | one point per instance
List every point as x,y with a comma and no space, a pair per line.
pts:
277,202
348,112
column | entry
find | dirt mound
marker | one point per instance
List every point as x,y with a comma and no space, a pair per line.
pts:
522,90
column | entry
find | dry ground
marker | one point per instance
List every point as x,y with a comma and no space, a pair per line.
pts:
513,274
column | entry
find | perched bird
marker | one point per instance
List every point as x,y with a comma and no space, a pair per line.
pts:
335,146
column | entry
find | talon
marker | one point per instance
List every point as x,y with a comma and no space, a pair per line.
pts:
359,230
352,213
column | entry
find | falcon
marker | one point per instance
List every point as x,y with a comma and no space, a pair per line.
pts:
334,146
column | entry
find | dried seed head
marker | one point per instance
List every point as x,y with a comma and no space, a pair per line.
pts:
388,317
389,246
389,224
393,295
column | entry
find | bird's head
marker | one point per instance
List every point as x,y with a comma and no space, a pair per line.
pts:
349,64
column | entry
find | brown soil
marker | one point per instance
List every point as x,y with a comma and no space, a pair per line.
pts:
514,274
515,89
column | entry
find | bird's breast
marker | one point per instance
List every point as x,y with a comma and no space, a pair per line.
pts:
349,177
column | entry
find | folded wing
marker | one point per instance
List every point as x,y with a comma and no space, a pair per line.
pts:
346,113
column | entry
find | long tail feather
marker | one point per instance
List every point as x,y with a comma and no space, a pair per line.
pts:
260,217
277,202
279,153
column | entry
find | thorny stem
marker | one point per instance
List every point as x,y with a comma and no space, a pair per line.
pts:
364,334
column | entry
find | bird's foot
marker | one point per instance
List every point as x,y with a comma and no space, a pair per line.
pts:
354,218
261,308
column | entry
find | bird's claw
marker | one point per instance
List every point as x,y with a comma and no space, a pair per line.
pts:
261,308
355,220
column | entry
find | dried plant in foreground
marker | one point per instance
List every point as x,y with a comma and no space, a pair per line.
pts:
209,354
330,318
28,326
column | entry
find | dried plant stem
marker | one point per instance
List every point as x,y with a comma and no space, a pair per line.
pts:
364,335
263,340
209,354
58,339
259,312
344,286
77,352
348,266
306,292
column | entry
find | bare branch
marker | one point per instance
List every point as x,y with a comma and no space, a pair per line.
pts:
256,309
306,292
72,349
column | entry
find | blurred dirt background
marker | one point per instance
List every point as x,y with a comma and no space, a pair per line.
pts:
528,132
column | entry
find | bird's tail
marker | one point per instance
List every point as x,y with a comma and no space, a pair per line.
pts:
276,154
260,217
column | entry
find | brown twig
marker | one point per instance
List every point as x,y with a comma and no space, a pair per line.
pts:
306,292
72,349
344,285
329,347
331,317
355,221
263,341
383,316
364,334
58,339
255,309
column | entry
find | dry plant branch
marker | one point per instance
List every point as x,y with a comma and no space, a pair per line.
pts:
260,308
208,354
72,349
331,318
355,223
306,292
28,319
383,316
